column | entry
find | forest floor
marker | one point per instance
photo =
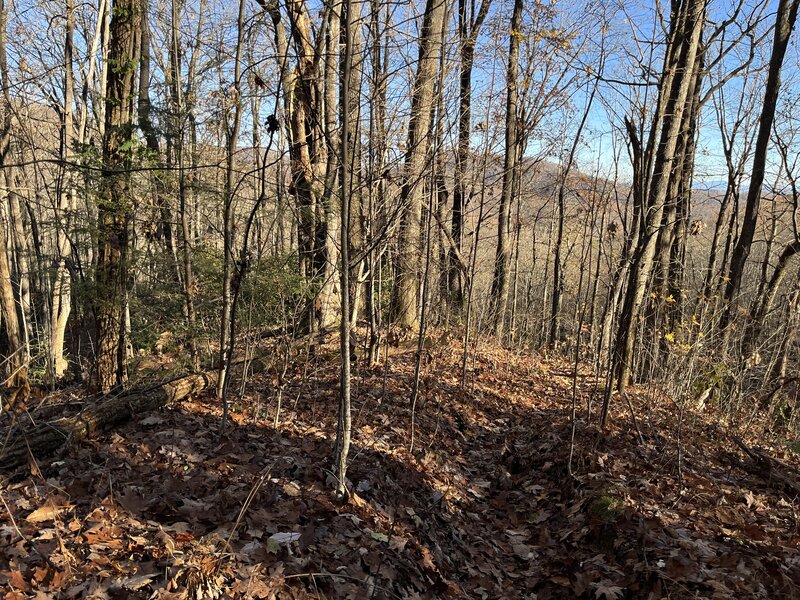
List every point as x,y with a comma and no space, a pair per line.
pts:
483,506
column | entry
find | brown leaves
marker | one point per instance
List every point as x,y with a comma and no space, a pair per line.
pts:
485,510
45,513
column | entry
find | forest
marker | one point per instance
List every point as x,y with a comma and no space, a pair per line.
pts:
399,299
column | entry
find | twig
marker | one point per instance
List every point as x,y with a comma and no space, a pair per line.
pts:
22,535
248,501
343,576
633,416
382,555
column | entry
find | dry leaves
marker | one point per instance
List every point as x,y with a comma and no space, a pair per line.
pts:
485,508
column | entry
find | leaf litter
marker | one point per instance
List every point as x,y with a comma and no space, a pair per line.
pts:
484,507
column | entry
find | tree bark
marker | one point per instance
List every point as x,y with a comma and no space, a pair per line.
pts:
154,147
376,182
15,373
115,204
554,334
469,28
230,269
682,70
307,106
499,290
346,181
61,297
182,112
405,294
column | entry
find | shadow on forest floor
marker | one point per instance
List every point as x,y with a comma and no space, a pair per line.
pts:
484,507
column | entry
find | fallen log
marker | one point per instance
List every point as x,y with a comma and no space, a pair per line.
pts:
774,472
17,444
45,438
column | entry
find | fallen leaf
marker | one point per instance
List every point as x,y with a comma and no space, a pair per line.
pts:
608,591
292,489
48,512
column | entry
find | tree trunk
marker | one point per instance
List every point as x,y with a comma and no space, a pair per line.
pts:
764,303
558,267
109,412
500,279
785,19
15,359
405,294
308,128
468,37
376,182
61,302
181,114
160,200
688,25
23,269
229,267
327,171
115,204
346,139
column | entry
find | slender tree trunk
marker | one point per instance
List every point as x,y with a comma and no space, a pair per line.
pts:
764,303
346,140
601,233
770,240
785,19
15,361
357,225
22,253
159,188
377,185
229,268
558,267
309,130
468,37
672,234
61,302
500,279
15,364
719,229
179,119
329,220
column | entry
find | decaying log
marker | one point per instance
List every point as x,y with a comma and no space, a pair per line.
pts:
110,411
774,472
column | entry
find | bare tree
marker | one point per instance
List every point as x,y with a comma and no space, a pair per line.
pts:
232,125
679,76
469,26
346,139
785,19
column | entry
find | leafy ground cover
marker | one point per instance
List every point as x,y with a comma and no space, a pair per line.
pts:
482,506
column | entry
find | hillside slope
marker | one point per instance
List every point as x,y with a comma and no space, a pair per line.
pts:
482,507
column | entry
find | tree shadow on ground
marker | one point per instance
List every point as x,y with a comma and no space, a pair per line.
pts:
483,507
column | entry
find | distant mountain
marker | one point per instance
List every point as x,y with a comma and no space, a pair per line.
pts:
717,185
